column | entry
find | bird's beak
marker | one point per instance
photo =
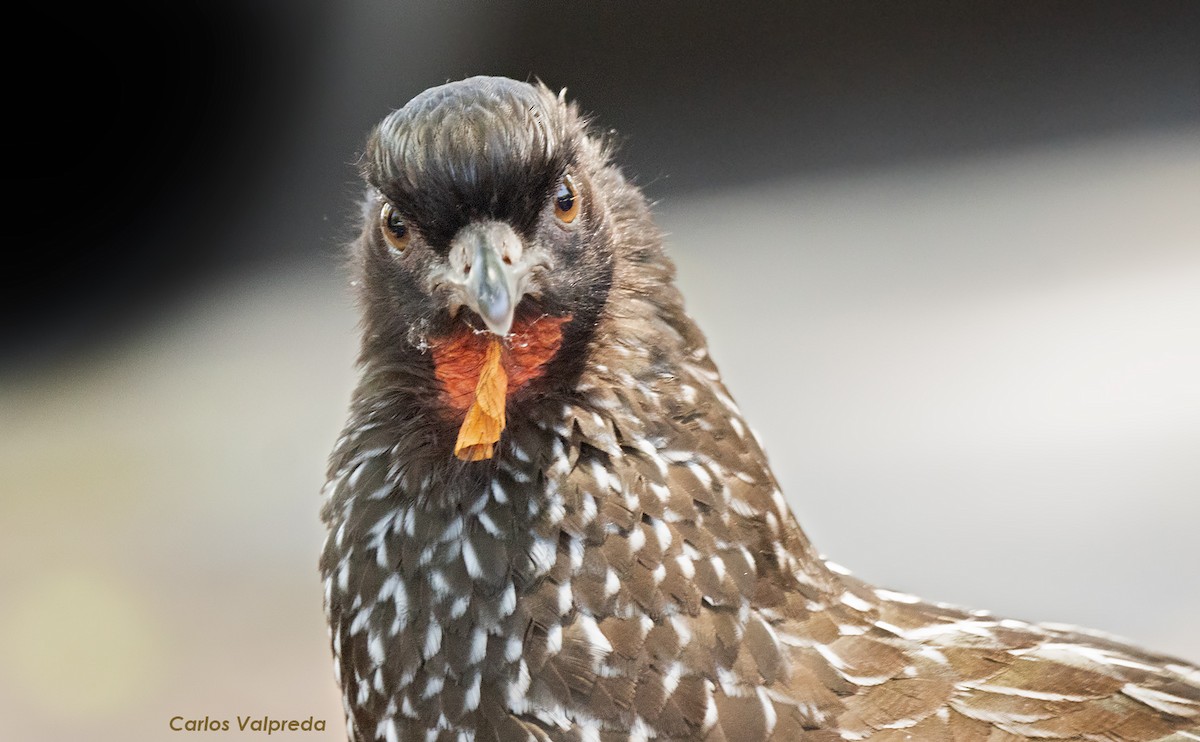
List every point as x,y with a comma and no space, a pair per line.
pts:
489,269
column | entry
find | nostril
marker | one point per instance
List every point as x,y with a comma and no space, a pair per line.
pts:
507,260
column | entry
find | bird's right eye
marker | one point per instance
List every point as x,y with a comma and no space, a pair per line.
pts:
395,231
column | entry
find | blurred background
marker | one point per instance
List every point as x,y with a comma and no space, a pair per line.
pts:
947,255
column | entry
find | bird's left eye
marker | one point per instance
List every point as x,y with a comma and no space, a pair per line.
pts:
395,231
566,200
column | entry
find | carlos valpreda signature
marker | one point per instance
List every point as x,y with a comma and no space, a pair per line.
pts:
259,724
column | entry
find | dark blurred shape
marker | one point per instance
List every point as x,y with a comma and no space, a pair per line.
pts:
225,135
143,143
708,96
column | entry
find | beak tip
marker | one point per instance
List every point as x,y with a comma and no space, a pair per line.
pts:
499,324
496,310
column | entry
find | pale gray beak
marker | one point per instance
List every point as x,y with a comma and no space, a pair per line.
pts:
490,272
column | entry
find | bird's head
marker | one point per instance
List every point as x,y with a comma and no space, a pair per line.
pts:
489,221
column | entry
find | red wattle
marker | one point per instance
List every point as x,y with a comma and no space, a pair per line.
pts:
458,357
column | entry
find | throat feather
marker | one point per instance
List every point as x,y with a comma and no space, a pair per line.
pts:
459,358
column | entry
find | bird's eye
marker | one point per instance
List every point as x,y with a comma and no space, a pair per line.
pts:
566,200
393,228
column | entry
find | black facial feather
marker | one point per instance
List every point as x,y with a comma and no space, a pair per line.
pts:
493,149
482,148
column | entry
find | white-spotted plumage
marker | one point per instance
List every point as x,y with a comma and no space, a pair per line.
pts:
625,566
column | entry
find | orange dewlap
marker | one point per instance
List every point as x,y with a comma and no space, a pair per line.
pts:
458,358
478,373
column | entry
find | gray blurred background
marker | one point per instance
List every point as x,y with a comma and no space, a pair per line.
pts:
948,257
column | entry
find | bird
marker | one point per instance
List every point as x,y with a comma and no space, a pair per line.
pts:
547,518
